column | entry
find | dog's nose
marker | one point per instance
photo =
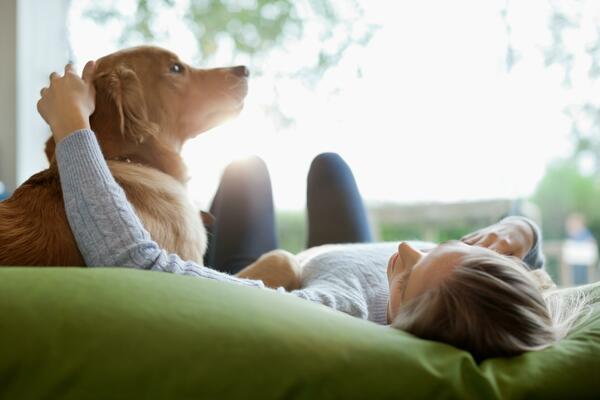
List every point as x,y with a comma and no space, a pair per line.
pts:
241,70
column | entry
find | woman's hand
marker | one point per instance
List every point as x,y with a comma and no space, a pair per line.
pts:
511,237
66,105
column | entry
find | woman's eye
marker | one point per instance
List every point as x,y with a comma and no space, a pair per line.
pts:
176,68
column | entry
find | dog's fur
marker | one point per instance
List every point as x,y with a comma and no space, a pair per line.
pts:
145,111
277,268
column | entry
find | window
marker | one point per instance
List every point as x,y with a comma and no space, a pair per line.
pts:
429,101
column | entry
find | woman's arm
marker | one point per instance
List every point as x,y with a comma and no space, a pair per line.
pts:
515,236
107,230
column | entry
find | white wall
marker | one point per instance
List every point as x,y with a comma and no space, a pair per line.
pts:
34,44
8,92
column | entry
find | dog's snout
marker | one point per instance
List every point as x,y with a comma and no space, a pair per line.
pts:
241,71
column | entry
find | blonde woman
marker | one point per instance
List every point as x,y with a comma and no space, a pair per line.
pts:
484,293
479,294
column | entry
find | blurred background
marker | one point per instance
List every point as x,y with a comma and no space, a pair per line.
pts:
451,114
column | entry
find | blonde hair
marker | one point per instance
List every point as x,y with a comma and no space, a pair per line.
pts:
492,306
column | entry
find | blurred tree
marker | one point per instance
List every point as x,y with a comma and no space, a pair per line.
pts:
573,47
256,27
570,23
563,190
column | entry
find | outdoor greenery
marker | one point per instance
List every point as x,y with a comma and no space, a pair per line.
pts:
448,231
291,230
585,115
567,187
563,190
259,27
256,27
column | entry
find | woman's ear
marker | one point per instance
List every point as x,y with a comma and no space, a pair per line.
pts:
49,149
125,90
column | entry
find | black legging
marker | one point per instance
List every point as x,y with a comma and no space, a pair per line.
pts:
244,227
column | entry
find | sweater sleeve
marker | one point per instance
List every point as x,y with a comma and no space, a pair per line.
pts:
534,257
105,226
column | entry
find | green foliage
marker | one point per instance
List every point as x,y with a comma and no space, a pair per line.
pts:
567,18
391,232
584,115
291,230
585,132
563,190
255,27
552,267
440,233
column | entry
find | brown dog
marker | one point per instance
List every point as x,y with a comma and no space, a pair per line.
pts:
148,103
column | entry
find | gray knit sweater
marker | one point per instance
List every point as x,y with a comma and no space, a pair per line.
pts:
350,278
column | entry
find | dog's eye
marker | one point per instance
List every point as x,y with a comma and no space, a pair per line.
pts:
176,68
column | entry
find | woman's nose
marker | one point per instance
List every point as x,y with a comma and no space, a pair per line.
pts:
241,71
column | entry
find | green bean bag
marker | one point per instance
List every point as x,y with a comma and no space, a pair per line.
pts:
117,333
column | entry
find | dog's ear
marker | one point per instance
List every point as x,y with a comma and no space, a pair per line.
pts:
49,149
125,91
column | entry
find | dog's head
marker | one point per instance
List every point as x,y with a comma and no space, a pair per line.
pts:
146,98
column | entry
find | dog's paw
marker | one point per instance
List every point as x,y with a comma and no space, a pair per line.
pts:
277,268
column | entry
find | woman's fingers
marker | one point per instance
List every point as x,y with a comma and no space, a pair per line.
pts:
487,240
502,247
471,238
88,71
87,75
43,90
69,68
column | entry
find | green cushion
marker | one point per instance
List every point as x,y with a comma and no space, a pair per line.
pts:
100,333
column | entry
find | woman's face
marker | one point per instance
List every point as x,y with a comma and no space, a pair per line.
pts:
412,272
